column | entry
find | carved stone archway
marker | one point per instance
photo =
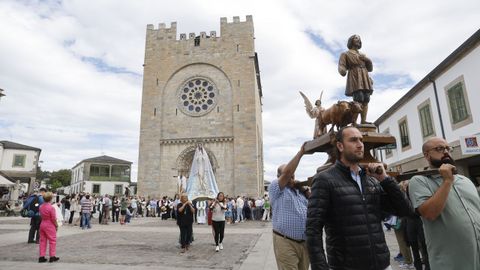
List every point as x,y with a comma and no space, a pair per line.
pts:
184,160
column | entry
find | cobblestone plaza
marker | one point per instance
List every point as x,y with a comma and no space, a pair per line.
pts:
146,243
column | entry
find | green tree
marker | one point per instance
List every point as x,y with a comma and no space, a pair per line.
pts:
54,184
61,177
41,175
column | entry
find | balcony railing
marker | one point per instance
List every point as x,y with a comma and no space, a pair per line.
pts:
108,178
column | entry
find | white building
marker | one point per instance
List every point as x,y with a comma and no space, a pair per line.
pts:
18,162
100,175
441,105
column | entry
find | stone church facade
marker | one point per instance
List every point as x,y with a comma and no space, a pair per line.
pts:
201,89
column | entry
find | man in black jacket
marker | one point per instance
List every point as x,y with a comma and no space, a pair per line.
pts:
349,204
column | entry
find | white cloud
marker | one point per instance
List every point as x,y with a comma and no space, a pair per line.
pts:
73,109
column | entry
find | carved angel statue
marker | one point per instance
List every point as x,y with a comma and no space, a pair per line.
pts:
315,112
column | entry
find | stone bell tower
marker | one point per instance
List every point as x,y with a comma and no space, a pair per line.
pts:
201,89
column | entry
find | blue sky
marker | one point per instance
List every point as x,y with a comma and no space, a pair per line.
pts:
102,66
72,70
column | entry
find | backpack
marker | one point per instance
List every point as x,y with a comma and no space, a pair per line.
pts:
31,209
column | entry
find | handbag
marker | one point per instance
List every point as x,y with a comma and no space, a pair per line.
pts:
24,212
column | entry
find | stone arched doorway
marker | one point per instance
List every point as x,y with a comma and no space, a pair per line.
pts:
184,160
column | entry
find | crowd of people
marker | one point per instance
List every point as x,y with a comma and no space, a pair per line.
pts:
80,209
436,218
112,208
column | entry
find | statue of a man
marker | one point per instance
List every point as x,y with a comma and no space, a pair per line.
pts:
359,83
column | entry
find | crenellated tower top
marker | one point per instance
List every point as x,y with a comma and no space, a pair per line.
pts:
227,29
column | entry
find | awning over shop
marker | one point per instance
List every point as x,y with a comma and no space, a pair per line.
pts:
4,182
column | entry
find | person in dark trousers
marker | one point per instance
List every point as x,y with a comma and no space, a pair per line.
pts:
185,221
123,210
115,209
415,236
348,201
194,203
218,208
33,205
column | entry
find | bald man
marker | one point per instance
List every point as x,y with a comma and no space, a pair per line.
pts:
289,206
449,206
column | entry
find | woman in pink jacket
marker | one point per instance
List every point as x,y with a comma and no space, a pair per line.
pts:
48,229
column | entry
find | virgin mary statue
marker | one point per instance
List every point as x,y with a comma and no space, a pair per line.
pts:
201,181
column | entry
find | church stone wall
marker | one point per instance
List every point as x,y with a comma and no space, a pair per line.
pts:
232,131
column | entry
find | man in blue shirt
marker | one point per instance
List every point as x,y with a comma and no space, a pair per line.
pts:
289,206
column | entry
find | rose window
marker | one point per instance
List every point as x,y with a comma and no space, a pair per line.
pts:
197,97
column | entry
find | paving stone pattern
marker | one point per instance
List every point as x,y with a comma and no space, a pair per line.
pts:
146,243
5,231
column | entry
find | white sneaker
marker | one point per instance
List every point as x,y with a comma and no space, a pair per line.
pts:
217,248
221,246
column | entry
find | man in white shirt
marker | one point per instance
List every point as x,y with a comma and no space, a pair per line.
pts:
240,204
259,209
